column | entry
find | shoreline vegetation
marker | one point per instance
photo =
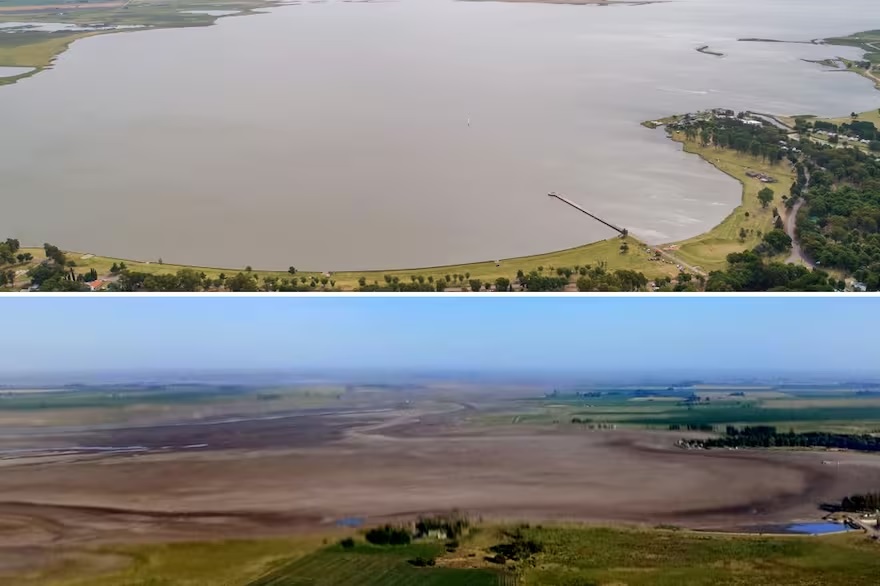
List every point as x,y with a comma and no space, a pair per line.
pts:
51,27
672,266
482,553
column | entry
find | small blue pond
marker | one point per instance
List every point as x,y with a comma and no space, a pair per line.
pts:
816,528
350,522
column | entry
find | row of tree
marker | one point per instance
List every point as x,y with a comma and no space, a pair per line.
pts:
733,133
860,503
764,436
749,271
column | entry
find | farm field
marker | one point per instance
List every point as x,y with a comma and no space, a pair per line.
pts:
608,556
373,566
822,410
571,554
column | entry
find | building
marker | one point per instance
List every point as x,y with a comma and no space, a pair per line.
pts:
96,285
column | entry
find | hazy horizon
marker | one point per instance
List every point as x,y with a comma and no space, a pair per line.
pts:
579,339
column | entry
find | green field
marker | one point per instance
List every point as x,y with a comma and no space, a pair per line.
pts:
572,555
218,563
584,556
841,412
365,565
121,405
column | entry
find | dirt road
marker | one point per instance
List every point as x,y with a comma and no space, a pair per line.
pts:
797,254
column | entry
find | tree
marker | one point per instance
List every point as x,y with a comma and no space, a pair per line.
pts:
777,240
441,285
476,284
55,254
291,270
242,282
585,284
742,234
24,257
624,248
502,284
189,279
765,196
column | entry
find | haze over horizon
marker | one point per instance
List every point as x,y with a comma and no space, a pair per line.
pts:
635,336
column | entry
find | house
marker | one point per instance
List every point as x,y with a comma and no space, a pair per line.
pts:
96,285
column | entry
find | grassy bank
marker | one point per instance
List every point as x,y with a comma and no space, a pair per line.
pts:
656,558
231,562
710,249
605,251
570,555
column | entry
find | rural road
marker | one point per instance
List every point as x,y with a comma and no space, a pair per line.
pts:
680,262
797,255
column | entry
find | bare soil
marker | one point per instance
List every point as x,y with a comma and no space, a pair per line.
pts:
302,473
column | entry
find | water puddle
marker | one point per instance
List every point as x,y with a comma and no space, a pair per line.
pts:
816,528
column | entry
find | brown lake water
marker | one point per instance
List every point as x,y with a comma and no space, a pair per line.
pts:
343,135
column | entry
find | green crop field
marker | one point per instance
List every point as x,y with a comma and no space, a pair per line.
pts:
571,555
365,565
584,556
815,410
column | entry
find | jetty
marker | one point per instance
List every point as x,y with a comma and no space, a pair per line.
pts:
619,230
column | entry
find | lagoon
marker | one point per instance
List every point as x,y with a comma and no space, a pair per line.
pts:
13,71
353,135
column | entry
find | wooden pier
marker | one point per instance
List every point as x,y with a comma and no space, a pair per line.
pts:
621,231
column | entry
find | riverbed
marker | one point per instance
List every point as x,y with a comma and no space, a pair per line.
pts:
354,135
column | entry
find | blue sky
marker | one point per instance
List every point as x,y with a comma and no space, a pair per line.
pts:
571,333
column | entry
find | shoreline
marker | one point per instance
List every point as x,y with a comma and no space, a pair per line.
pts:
700,253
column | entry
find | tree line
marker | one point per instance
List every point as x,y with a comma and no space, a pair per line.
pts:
838,226
765,436
860,503
761,141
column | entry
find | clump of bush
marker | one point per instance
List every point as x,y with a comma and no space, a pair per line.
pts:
388,535
517,548
347,543
421,562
